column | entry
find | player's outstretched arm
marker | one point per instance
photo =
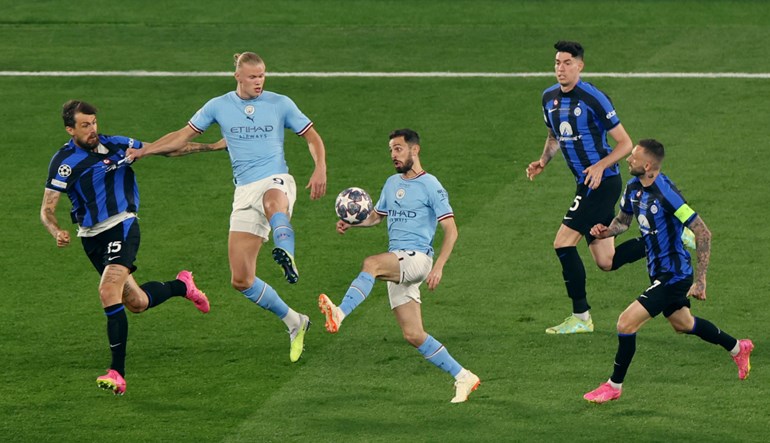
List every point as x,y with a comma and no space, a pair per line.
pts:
169,143
48,217
703,252
192,147
374,218
447,245
549,150
317,182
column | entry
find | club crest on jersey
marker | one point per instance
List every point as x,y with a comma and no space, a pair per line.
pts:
578,111
249,110
65,170
400,193
654,209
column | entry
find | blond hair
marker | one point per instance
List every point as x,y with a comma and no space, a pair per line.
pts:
247,57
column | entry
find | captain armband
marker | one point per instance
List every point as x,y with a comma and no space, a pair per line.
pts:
684,213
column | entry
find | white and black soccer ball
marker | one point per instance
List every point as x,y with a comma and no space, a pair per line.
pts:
353,205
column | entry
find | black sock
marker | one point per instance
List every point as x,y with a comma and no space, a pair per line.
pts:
159,292
628,252
710,333
117,333
626,351
574,274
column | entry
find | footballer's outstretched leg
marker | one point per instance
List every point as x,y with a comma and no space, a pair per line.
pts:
334,315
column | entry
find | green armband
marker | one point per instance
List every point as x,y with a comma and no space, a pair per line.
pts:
684,213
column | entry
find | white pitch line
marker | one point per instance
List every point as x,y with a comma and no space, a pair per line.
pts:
749,75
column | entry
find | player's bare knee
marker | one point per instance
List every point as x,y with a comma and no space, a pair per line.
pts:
370,265
133,307
604,265
625,326
109,295
415,337
680,328
241,284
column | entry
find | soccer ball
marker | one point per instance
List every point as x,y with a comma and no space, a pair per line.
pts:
353,205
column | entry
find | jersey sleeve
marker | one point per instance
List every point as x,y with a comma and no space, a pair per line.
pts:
604,110
204,118
294,119
439,199
676,204
382,204
58,174
625,201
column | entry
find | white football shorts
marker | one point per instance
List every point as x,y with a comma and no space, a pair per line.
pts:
415,267
248,209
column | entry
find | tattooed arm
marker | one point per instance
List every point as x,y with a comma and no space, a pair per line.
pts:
48,217
549,150
191,148
703,251
619,225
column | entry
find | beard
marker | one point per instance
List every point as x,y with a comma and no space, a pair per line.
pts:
406,166
636,172
86,144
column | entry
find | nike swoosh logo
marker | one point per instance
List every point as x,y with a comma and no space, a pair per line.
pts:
112,258
567,218
116,345
643,296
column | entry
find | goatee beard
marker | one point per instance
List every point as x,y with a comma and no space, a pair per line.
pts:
405,167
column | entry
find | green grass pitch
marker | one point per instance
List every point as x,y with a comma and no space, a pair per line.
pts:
226,376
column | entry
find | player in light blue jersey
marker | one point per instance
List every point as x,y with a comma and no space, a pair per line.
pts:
413,202
252,121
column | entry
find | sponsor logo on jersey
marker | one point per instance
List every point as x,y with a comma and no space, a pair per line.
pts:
251,129
610,114
644,225
565,129
400,214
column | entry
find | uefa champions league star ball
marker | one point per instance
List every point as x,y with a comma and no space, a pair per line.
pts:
353,205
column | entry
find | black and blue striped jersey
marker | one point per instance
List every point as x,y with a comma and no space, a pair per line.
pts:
98,185
579,120
662,213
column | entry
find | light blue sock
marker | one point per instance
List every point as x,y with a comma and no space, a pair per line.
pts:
357,292
283,233
265,296
436,353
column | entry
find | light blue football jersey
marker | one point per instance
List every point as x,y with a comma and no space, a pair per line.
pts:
254,130
413,207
